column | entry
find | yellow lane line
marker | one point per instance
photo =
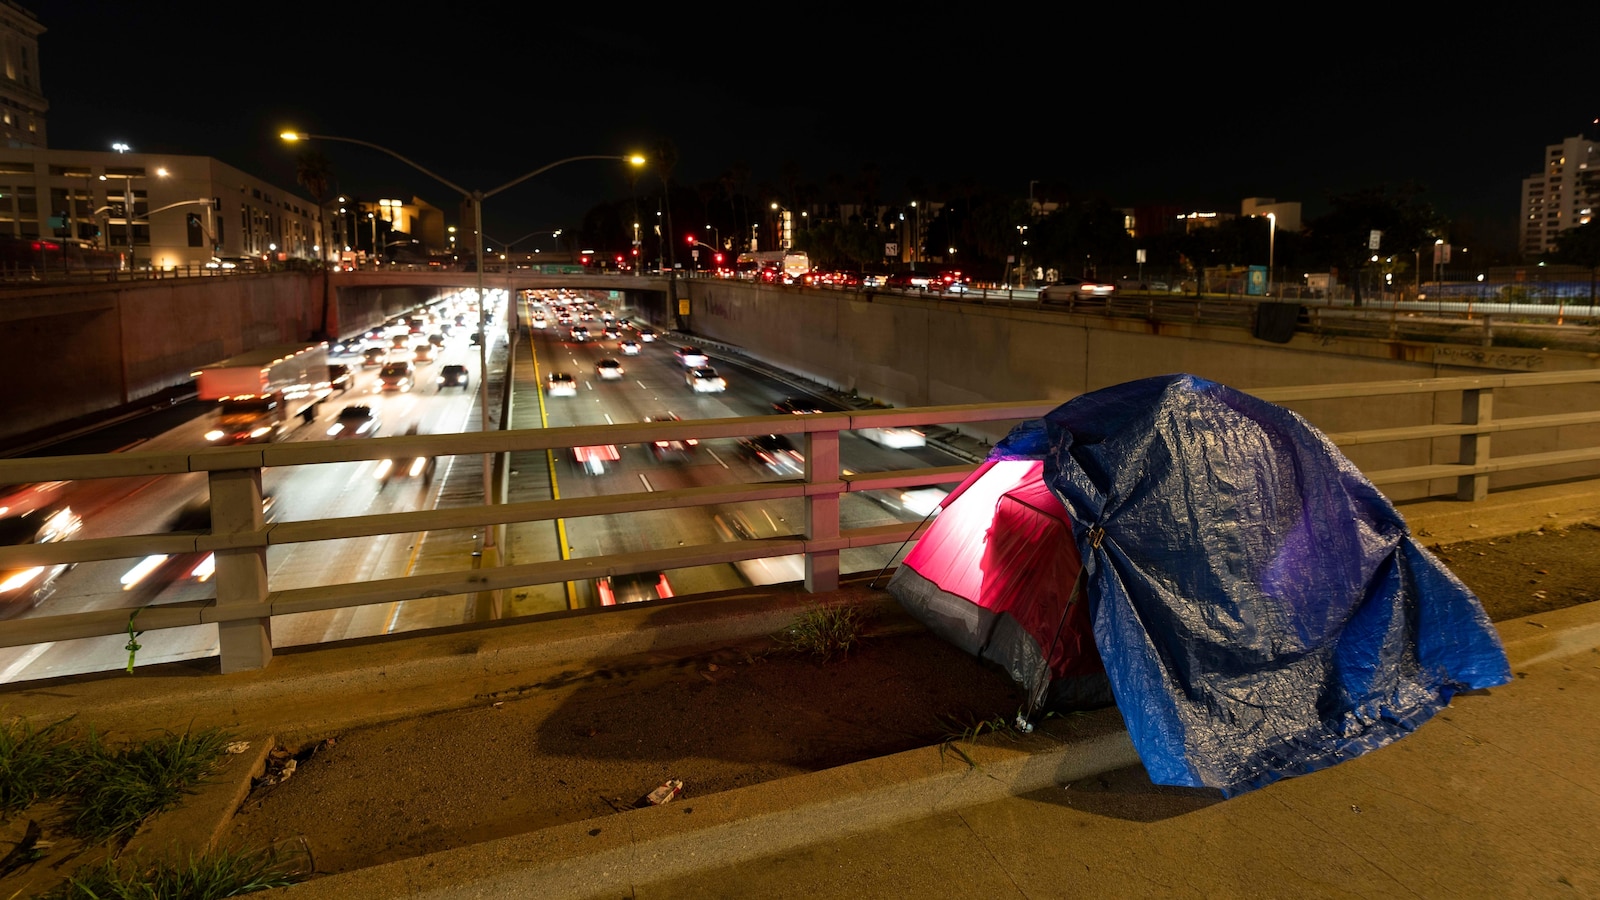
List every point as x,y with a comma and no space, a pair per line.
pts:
550,460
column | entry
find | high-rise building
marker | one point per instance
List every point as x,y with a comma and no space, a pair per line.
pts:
1565,194
22,103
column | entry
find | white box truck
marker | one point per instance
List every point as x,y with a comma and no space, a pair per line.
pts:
256,393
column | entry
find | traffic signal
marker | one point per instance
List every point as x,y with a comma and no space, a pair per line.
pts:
584,260
719,259
690,240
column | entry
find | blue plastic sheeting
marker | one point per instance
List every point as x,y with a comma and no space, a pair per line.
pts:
1261,609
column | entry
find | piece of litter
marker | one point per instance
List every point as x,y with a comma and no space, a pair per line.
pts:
1472,526
238,747
499,703
668,790
1538,624
1354,808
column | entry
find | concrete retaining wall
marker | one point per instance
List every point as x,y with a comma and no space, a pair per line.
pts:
70,352
909,351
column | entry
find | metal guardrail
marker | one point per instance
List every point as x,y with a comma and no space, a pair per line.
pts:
245,602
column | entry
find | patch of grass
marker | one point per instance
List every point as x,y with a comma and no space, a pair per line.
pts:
825,632
216,874
965,729
33,763
112,790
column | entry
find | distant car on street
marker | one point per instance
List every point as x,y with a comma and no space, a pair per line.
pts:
774,451
705,380
691,357
629,348
357,420
562,385
453,375
1073,289
608,370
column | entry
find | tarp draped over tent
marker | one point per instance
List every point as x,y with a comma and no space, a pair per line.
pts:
1260,608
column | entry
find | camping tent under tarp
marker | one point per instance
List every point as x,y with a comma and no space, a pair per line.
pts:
1261,610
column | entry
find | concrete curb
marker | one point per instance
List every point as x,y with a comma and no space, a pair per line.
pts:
616,853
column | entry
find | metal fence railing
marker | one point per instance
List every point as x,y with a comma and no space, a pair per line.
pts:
246,599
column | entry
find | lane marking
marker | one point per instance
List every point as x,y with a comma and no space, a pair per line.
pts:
716,457
646,482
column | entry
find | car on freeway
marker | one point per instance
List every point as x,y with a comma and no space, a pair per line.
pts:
453,375
398,342
340,377
705,380
608,370
635,588
801,406
25,587
373,357
539,321
691,357
629,348
358,420
417,468
1073,289
774,451
397,376
562,385
647,334
580,333
895,438
612,332
677,448
592,459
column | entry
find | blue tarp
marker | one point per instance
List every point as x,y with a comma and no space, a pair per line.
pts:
1261,609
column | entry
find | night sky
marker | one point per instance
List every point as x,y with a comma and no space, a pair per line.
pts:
1141,109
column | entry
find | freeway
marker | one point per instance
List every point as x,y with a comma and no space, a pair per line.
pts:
127,506
653,383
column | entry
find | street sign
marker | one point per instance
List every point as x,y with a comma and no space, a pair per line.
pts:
1138,257
891,249
1373,239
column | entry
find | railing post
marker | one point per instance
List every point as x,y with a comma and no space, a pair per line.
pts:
822,510
1477,408
241,571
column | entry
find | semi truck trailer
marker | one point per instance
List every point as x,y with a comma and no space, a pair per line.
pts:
259,392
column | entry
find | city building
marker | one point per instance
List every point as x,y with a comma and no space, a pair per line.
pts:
22,103
1286,216
187,211
1563,195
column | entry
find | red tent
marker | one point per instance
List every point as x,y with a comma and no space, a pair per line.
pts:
1004,596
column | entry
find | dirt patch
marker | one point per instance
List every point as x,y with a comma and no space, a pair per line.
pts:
589,744
718,721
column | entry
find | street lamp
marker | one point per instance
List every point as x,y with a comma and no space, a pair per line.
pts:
1272,237
477,198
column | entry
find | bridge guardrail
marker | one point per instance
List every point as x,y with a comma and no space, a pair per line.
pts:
245,600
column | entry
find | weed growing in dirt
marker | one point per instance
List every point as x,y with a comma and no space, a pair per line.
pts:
111,790
219,873
825,632
33,763
964,729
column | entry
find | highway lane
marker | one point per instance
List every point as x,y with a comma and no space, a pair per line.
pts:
136,506
653,384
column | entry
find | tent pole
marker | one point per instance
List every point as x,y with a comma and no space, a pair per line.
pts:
1035,695
873,584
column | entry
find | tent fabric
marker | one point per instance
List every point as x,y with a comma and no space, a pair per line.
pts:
994,574
1261,609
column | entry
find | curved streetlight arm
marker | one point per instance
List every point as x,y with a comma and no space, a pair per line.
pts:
543,169
301,136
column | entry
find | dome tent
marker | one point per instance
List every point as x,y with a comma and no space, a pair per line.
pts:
1259,608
